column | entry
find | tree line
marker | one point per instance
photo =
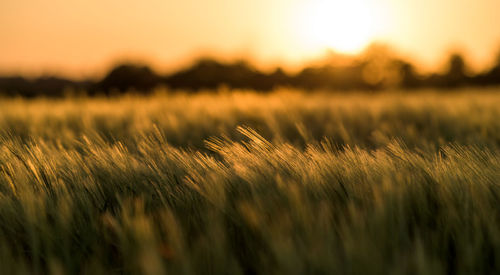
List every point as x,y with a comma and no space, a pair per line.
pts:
376,69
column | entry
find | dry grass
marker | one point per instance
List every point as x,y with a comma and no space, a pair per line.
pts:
244,183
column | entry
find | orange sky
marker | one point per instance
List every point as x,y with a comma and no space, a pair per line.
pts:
82,38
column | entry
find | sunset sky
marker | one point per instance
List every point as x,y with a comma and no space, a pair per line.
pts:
82,38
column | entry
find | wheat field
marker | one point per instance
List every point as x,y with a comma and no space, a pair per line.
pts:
238,182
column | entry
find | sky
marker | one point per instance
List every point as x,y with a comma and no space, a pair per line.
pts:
83,38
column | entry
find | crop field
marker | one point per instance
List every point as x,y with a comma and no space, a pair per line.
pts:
240,182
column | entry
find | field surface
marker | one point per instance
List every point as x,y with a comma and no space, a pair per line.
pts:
249,183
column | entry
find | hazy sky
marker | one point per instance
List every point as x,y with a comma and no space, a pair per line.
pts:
82,37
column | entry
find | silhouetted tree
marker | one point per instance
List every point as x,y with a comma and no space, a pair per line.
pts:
382,68
128,76
210,74
409,78
456,71
278,78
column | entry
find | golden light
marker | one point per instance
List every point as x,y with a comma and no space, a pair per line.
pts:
343,25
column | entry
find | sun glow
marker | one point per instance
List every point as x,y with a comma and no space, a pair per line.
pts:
343,25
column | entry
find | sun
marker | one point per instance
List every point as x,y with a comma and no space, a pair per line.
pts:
343,25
